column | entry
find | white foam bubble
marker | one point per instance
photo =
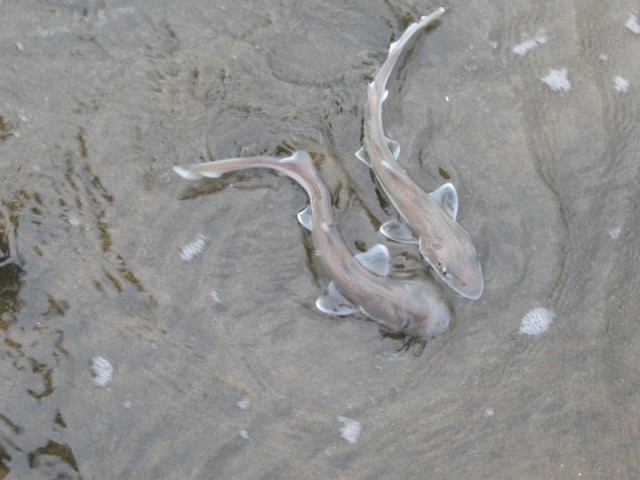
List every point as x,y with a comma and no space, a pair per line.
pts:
102,371
615,232
536,321
557,80
350,430
529,44
73,220
621,84
215,296
632,24
193,248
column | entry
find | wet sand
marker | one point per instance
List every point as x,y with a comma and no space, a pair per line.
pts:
201,296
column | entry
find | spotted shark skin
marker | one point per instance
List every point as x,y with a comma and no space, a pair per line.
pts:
359,283
428,220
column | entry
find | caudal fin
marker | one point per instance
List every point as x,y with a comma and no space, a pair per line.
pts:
187,171
218,168
195,171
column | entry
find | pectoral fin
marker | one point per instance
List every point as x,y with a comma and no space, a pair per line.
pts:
447,197
334,303
304,217
376,259
398,231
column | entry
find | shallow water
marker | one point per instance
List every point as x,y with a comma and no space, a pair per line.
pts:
222,366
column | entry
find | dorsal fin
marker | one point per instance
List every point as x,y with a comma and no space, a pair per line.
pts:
361,154
299,156
447,197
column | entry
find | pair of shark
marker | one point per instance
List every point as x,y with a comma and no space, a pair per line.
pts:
361,282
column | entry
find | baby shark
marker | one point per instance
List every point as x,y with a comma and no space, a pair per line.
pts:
426,219
358,282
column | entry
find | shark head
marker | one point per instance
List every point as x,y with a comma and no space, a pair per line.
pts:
423,314
457,263
410,307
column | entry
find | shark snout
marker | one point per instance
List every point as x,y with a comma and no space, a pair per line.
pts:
467,282
460,271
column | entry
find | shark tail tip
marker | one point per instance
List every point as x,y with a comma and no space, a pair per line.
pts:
187,172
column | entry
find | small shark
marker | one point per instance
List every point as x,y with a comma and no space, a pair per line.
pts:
426,219
359,282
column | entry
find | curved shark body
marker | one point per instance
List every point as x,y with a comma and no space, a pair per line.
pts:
359,282
426,219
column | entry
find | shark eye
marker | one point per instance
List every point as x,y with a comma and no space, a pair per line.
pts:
442,268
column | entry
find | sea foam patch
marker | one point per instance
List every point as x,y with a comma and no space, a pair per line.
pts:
558,80
632,24
621,84
536,321
193,248
350,430
529,44
102,371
